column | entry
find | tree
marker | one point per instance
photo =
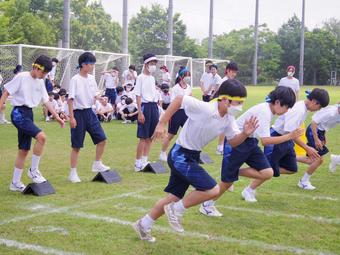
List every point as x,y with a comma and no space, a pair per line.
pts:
333,26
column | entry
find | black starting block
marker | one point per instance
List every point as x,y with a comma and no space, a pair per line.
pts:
155,167
39,189
109,176
205,159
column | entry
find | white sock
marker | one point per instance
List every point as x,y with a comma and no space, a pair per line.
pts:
97,162
2,116
220,147
144,159
250,189
138,162
147,222
17,173
305,177
179,207
163,152
35,162
208,203
73,171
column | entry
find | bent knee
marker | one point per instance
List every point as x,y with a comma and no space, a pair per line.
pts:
267,173
215,191
41,138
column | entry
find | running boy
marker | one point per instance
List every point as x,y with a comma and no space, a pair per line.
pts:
83,89
28,90
322,121
205,122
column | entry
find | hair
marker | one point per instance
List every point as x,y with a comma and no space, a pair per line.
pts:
62,92
128,100
50,93
115,68
232,66
285,95
165,86
208,62
86,57
56,96
213,66
291,67
233,88
183,71
119,89
133,67
44,61
320,95
55,60
17,69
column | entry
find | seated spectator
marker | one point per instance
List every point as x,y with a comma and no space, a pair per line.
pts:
165,95
47,114
129,111
105,110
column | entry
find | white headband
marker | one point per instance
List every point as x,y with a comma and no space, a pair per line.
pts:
150,59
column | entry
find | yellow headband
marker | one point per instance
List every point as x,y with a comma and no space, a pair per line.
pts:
224,97
42,68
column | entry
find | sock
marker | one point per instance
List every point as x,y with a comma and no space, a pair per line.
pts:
35,163
73,171
250,189
179,207
2,116
305,177
147,222
97,162
208,203
144,159
17,173
138,162
220,147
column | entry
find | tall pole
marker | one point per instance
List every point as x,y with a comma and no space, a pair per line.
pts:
170,27
125,27
256,40
302,43
66,24
211,20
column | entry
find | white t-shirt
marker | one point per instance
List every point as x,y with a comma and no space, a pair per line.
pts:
204,124
51,74
131,107
120,97
177,90
55,106
146,88
105,108
110,81
166,98
291,120
290,83
216,81
25,90
166,78
264,115
207,80
82,91
62,105
1,79
327,118
128,78
132,95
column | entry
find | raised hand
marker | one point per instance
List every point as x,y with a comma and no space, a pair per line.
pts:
250,125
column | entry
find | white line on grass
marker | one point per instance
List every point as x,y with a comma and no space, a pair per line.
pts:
48,229
34,247
316,197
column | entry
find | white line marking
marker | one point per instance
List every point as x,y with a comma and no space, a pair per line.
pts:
34,247
302,196
48,229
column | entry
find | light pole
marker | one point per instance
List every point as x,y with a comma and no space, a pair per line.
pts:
302,44
256,40
170,27
211,20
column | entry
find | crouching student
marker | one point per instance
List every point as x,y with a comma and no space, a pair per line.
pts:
83,89
28,90
205,122
105,110
129,111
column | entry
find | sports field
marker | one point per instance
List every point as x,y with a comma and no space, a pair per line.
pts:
95,218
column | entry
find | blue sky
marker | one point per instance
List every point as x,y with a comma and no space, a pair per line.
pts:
233,14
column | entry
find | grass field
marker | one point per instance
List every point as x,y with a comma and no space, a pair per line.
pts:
96,218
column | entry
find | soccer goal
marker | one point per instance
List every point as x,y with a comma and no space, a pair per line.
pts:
198,67
173,63
12,55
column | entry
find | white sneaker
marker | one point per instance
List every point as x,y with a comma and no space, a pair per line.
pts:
306,185
174,219
334,161
99,167
210,211
47,119
4,121
73,177
219,152
36,176
138,168
163,156
143,234
249,196
18,186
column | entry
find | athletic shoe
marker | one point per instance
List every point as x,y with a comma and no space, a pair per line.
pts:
126,122
334,161
99,167
47,119
73,177
210,211
248,196
163,156
18,186
306,185
4,121
174,219
138,168
36,176
144,235
219,152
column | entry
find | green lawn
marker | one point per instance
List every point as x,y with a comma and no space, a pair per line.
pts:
95,218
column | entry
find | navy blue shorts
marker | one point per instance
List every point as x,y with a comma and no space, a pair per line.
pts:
165,106
86,121
185,171
311,142
206,98
247,152
281,155
112,95
151,115
176,121
22,119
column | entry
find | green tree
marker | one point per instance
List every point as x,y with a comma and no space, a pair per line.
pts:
333,26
